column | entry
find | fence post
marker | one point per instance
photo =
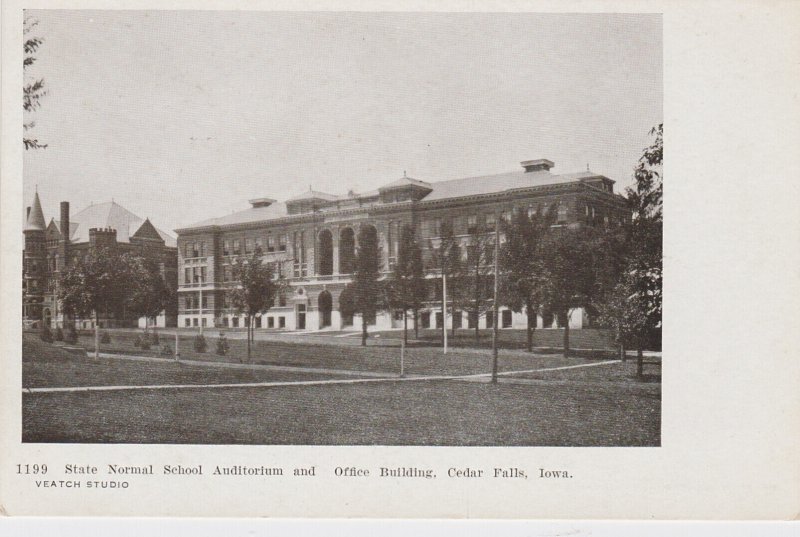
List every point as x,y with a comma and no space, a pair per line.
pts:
177,352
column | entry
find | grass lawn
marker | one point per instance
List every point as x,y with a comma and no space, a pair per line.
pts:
508,338
47,366
399,413
616,372
428,412
382,358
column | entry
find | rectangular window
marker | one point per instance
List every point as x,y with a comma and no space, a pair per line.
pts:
194,321
225,322
531,211
226,247
281,243
506,319
437,227
205,302
270,322
195,250
562,213
489,319
237,247
270,243
425,319
235,322
196,275
282,301
281,322
187,275
491,220
202,274
259,245
472,320
472,223
187,322
438,319
248,246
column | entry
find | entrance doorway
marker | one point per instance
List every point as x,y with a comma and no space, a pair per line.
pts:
301,316
325,304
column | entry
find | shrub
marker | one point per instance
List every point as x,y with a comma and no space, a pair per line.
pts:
144,342
200,344
71,337
154,338
59,335
222,345
45,334
104,337
166,350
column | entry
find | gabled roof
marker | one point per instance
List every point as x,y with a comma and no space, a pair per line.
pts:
111,215
35,220
147,231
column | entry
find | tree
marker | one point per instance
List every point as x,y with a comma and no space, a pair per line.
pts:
406,286
256,290
569,261
150,294
476,282
446,259
634,306
98,283
524,278
33,88
366,288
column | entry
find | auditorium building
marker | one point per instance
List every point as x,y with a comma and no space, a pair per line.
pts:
51,246
312,238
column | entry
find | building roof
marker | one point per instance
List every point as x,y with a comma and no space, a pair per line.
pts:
440,190
35,220
110,215
406,181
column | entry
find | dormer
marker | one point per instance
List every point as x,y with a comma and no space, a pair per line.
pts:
309,202
538,165
261,202
404,189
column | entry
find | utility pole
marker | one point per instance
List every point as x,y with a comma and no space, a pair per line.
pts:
444,309
494,305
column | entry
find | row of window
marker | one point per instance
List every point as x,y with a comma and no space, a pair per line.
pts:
271,322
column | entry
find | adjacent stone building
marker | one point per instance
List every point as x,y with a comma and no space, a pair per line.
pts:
51,246
311,239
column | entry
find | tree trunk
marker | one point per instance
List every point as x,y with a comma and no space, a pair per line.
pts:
566,333
639,362
405,327
622,355
96,336
453,321
531,327
249,327
363,330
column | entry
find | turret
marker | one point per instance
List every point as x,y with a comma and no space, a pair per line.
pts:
34,261
102,237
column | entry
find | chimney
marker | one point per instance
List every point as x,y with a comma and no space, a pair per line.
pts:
64,222
537,165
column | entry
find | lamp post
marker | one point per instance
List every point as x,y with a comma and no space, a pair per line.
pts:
494,305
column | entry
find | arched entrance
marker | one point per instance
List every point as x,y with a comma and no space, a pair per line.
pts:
347,251
325,304
325,253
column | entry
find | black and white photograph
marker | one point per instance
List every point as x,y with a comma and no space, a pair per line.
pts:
338,261
342,228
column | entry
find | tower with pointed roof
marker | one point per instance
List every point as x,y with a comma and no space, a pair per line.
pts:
34,268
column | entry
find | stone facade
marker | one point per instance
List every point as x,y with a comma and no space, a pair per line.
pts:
49,247
312,238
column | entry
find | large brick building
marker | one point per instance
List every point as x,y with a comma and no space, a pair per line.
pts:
50,246
311,239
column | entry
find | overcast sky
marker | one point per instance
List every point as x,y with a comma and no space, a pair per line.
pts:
182,116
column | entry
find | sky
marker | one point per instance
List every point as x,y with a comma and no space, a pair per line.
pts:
181,116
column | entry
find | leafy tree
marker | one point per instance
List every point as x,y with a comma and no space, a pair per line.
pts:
256,290
524,278
33,90
476,282
150,294
446,260
633,309
45,334
569,261
366,288
97,283
407,288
